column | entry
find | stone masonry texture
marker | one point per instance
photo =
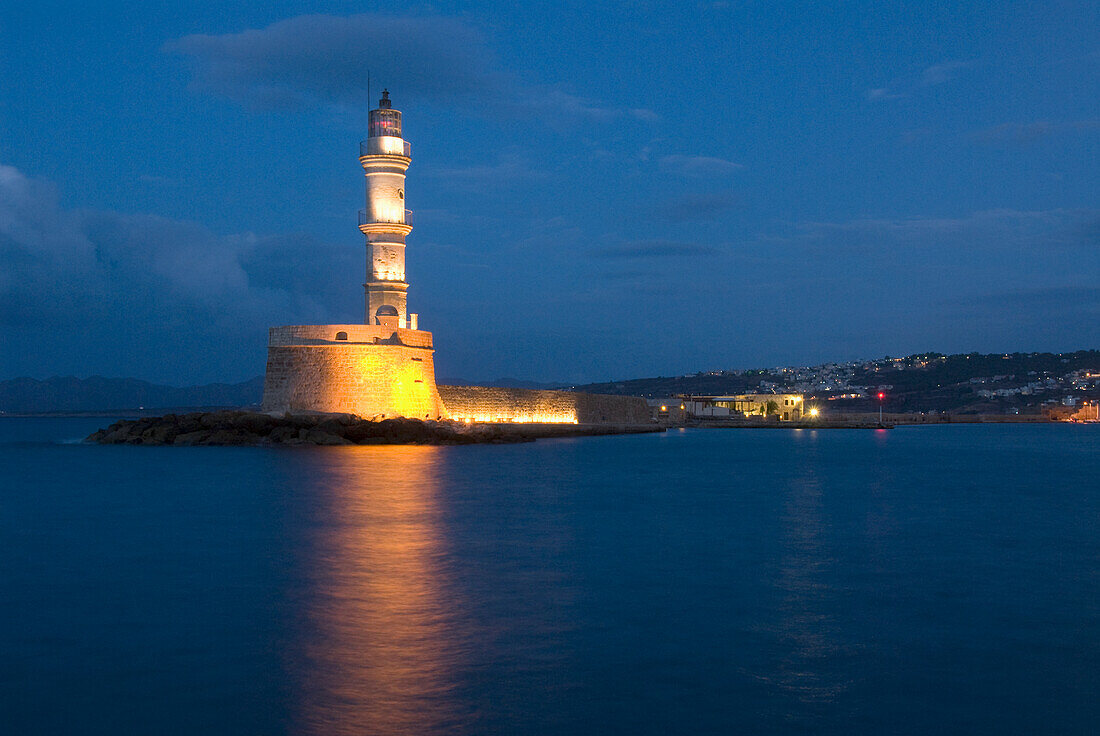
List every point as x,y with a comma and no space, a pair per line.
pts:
378,372
309,370
486,404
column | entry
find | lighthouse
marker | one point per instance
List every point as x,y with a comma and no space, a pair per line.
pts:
381,367
385,156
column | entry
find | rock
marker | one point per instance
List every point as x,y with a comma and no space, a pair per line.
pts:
189,438
301,421
283,434
116,437
362,432
259,424
189,423
161,434
319,437
218,420
165,434
252,428
141,426
117,434
332,426
406,431
230,437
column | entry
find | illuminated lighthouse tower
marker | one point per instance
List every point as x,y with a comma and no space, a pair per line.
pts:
381,367
385,157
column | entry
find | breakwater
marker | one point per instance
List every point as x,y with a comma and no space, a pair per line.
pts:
253,428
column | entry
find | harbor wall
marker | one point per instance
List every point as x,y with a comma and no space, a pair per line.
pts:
490,404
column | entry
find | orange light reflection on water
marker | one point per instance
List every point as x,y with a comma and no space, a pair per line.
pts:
382,648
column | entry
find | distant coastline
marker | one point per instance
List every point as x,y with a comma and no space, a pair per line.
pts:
125,412
960,386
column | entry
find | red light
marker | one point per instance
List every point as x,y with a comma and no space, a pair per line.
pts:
881,396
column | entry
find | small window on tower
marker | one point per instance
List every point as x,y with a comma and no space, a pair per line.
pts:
400,193
341,336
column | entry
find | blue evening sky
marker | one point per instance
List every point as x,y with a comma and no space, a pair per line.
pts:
600,190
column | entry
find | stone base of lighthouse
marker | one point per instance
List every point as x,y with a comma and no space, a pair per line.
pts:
372,371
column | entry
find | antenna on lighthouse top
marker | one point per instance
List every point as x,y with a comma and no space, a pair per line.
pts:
368,86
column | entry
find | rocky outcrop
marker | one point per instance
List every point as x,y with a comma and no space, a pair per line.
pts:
251,428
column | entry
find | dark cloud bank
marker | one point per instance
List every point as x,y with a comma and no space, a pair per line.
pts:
323,60
84,291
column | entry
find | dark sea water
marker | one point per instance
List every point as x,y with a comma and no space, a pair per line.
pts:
921,580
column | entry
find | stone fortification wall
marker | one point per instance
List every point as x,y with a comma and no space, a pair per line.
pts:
372,371
347,335
379,372
486,404
607,409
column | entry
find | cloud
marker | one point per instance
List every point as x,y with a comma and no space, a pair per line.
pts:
319,59
655,249
941,73
931,76
1065,315
985,280
701,166
313,61
698,206
883,93
1056,298
101,291
1000,228
510,167
1033,131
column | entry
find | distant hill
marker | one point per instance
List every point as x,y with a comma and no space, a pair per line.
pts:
927,382
99,394
970,382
